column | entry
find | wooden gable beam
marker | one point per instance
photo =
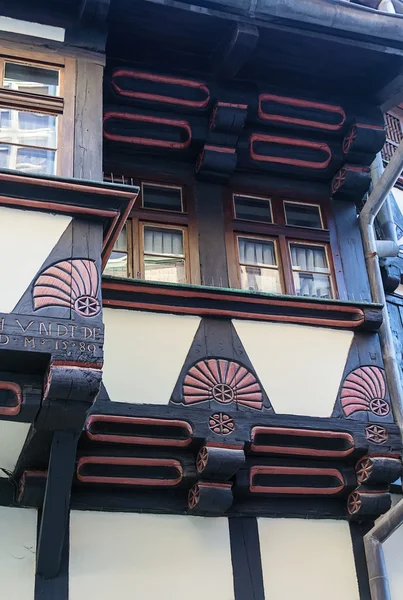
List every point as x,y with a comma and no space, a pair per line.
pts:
94,10
232,54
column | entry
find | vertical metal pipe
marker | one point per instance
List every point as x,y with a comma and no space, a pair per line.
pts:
385,526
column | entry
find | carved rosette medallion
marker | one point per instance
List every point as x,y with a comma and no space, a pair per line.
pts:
224,381
338,180
364,389
376,434
194,496
70,284
221,423
202,459
353,503
349,139
364,469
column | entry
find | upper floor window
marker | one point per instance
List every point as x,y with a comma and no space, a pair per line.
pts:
158,241
36,110
279,246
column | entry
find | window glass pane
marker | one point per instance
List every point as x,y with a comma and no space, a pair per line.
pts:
163,241
117,265
28,128
121,242
258,279
252,209
312,284
256,252
168,269
30,160
30,78
36,160
309,258
302,215
4,156
162,198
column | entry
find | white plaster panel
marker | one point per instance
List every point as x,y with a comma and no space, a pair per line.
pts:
26,240
307,559
47,32
12,438
144,353
149,557
17,553
300,367
392,549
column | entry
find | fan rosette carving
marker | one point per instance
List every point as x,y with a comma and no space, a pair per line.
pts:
364,389
70,284
223,381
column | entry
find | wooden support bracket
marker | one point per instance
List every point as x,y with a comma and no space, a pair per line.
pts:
55,513
230,57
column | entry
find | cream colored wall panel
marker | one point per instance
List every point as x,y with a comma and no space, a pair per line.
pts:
307,559
300,367
144,353
149,557
17,553
392,549
12,438
26,240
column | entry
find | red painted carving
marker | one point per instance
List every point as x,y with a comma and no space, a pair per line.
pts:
299,103
149,141
221,423
69,283
308,436
291,143
194,496
353,503
281,488
164,81
338,180
151,464
363,469
223,381
376,434
15,389
141,430
349,139
202,459
364,389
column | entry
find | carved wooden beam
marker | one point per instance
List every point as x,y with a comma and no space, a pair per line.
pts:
234,53
55,513
93,11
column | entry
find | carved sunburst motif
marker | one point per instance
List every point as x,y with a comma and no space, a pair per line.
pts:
364,389
224,381
71,283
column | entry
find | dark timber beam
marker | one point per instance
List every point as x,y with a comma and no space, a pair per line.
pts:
93,10
232,55
246,559
392,94
55,513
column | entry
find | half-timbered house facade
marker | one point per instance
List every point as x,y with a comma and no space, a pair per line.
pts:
195,393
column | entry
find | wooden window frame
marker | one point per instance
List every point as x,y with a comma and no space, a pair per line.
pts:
61,106
284,234
277,253
140,216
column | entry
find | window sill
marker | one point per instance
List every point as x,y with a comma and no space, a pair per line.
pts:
203,301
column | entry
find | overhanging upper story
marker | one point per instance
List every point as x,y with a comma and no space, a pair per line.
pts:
235,144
